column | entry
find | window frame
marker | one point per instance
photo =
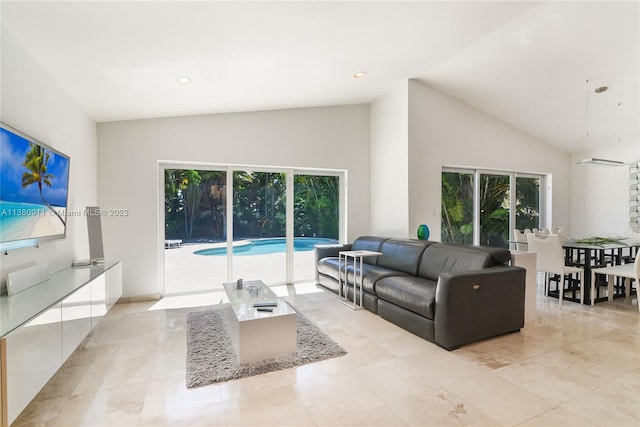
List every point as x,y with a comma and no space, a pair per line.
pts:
289,172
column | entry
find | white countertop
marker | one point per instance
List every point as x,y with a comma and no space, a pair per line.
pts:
19,308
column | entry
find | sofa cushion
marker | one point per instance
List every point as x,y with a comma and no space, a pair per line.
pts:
412,293
449,258
368,243
402,254
371,274
328,266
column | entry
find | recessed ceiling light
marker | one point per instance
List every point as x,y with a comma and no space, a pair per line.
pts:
360,75
185,80
601,89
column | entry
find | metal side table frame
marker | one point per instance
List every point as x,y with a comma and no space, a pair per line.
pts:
343,260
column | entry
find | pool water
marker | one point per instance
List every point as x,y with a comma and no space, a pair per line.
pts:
267,246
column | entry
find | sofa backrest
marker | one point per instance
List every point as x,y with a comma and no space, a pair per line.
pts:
452,257
368,243
498,255
402,254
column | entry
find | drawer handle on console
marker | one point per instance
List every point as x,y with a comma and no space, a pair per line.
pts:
476,286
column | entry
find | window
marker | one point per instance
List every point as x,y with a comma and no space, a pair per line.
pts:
262,226
494,210
527,202
457,207
482,207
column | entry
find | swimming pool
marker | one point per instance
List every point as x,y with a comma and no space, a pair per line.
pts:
266,246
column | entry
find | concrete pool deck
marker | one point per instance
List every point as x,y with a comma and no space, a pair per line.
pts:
187,272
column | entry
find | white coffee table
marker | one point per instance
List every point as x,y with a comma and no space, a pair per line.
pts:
258,335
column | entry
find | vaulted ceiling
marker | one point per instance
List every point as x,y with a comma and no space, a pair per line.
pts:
534,65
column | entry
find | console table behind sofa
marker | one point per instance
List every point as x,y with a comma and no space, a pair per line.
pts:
42,326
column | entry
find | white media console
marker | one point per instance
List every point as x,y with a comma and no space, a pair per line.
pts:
41,326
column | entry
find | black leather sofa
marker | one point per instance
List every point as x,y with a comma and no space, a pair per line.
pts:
449,294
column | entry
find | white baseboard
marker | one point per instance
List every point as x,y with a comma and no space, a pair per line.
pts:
139,298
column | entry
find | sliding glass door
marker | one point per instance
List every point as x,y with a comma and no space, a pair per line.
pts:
195,217
259,226
481,207
316,219
263,226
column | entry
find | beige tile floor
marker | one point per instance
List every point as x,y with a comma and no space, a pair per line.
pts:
575,366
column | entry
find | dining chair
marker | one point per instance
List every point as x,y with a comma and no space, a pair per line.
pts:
531,247
521,240
541,232
560,231
550,260
629,271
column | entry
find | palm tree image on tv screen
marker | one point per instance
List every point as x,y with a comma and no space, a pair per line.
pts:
33,191
36,163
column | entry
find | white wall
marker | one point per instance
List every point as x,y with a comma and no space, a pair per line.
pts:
128,152
33,103
600,194
389,163
446,132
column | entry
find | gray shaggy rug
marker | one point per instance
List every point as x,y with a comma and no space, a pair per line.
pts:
212,359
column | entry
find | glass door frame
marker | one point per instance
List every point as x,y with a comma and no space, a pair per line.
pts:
342,209
230,169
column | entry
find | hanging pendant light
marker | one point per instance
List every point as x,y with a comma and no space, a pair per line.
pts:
594,160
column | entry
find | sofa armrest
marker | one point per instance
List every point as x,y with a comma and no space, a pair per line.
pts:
474,305
324,251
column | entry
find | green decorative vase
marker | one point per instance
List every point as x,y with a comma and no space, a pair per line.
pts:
423,232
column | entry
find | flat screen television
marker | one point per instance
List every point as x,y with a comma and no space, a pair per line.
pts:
34,189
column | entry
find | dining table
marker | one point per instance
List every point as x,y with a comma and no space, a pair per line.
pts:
592,253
